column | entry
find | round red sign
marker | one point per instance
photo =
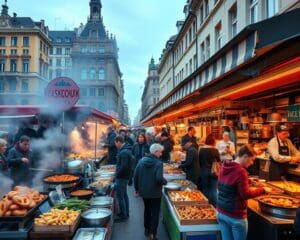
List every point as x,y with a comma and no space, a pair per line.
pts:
62,93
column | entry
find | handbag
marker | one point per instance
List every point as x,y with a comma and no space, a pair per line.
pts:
215,168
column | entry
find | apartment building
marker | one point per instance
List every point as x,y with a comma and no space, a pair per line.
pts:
24,59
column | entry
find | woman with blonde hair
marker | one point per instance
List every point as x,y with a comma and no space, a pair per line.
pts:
3,164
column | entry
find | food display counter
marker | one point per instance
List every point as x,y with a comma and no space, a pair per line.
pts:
179,231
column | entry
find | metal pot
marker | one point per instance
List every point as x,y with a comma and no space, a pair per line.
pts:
172,186
75,166
104,201
96,217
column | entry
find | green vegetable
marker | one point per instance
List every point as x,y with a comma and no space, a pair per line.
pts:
74,204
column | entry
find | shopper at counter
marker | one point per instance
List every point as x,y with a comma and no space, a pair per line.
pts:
233,192
3,161
191,163
226,148
282,152
123,173
207,155
20,159
166,142
189,137
148,182
110,144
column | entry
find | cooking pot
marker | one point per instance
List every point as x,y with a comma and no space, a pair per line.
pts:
96,217
172,186
104,201
75,166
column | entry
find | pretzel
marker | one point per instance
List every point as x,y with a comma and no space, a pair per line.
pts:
19,212
21,200
14,207
3,208
8,213
11,194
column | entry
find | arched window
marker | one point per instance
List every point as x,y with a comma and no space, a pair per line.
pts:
92,74
101,74
83,74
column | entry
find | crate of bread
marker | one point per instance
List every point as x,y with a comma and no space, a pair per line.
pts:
195,214
187,197
62,220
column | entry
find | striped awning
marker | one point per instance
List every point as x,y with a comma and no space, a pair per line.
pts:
227,62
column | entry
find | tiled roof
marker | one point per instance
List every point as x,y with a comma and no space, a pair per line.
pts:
26,22
94,25
62,37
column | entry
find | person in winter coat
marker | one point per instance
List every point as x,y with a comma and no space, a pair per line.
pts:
3,161
207,155
123,173
110,144
148,182
168,146
233,193
20,159
191,163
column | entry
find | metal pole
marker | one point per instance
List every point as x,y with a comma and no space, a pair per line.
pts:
62,153
96,134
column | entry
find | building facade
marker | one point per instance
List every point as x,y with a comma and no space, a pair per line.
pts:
151,89
24,59
208,26
60,54
95,65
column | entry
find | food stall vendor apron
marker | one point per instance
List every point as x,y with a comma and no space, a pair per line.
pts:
277,169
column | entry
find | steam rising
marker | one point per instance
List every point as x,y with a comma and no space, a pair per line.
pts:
6,185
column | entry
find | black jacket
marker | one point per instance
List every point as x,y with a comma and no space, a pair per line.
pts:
191,164
148,177
112,149
208,155
125,163
139,151
297,223
168,147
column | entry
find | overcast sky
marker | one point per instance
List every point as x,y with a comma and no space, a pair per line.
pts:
142,28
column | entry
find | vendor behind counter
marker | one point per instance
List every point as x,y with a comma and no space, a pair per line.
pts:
282,153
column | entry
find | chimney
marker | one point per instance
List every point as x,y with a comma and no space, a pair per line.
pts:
179,25
15,15
4,11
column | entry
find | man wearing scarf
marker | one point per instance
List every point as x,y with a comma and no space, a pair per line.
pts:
20,160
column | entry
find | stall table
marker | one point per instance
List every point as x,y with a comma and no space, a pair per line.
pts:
177,231
264,226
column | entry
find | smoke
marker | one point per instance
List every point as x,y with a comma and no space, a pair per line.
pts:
6,185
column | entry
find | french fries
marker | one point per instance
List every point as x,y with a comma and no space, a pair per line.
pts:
57,217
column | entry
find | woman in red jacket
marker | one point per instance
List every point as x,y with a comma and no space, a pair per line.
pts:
233,192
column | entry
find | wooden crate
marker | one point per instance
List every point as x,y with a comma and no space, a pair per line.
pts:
57,228
195,221
204,200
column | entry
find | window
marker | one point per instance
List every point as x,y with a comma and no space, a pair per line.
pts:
201,14
154,90
93,33
190,35
41,46
67,51
51,62
67,62
2,41
101,74
2,86
2,51
14,52
206,8
83,92
25,41
92,92
207,42
253,11
67,39
14,41
83,74
25,66
218,36
191,66
58,62
58,51
2,65
25,85
58,40
154,100
51,51
202,48
101,50
26,52
233,21
50,74
100,91
272,7
13,65
58,72
92,74
195,62
12,85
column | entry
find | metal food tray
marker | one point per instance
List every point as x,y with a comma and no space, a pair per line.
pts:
64,182
91,233
29,214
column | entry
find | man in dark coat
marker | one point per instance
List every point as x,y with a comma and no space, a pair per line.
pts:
191,164
148,182
189,137
110,144
20,159
123,173
168,147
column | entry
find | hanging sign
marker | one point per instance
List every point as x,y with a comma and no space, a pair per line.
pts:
293,113
62,93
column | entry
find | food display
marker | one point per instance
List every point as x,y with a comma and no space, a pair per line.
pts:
185,183
256,183
109,168
20,201
88,154
101,183
61,178
280,201
290,187
82,193
187,196
177,156
57,217
90,234
172,169
196,214
73,204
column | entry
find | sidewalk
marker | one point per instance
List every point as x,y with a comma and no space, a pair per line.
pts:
133,229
